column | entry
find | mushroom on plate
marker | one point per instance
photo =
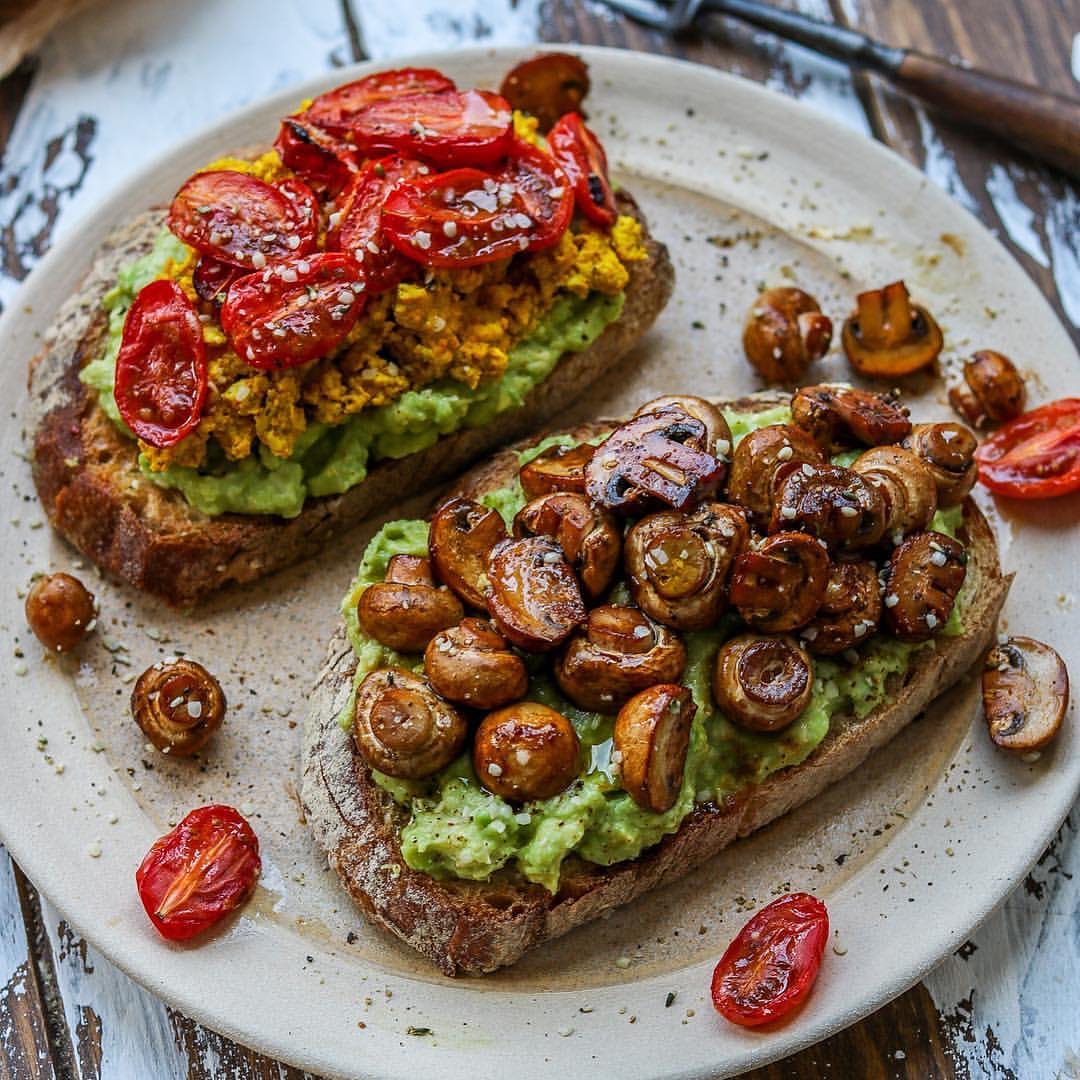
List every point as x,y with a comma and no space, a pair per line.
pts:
526,751
948,451
922,579
461,537
1025,692
178,705
784,333
762,683
905,484
992,390
780,584
888,336
60,611
758,457
472,664
717,432
835,504
407,609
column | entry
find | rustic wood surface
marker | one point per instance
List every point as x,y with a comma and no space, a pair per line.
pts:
110,88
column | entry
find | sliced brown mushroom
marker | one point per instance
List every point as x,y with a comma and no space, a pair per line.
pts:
905,484
850,611
762,683
461,538
654,460
558,468
649,744
785,332
401,727
526,751
590,538
178,705
407,610
835,504
948,451
755,462
1025,692
618,652
780,585
472,664
535,597
678,564
837,417
888,336
993,390
922,579
717,432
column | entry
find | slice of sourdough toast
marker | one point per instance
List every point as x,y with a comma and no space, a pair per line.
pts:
468,927
94,494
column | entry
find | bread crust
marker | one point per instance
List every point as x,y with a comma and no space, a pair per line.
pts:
474,928
89,482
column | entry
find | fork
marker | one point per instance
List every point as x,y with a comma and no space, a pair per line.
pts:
1046,125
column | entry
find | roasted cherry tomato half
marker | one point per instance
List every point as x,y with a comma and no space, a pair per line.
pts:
211,279
1035,456
357,226
304,203
451,127
294,311
770,967
324,161
466,216
196,874
547,86
337,109
239,219
583,160
161,377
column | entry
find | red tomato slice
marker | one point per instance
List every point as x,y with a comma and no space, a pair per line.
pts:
196,874
239,219
212,278
337,109
583,159
161,379
305,205
297,310
467,216
770,967
471,127
1035,456
358,229
325,162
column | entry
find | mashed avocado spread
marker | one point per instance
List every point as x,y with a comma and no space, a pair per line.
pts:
331,460
457,829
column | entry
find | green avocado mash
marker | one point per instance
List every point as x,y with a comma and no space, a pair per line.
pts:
458,829
331,460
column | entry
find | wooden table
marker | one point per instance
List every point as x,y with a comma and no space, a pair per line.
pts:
123,81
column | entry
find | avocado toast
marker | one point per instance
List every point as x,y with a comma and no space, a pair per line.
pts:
472,879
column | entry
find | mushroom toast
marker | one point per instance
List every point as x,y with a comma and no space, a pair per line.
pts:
613,651
412,275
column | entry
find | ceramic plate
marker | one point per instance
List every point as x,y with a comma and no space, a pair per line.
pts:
746,187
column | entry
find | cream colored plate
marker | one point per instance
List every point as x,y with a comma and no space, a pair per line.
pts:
746,187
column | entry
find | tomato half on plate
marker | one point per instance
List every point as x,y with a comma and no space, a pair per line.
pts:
1035,456
195,875
467,216
325,162
295,311
583,160
337,109
161,379
356,226
239,219
770,967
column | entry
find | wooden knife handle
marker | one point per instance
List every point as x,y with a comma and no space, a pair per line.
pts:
1045,125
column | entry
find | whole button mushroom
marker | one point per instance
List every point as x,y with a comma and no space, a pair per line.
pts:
460,540
535,598
888,336
590,538
472,664
923,577
678,564
780,585
618,652
992,390
905,484
850,611
60,611
717,432
526,751
178,705
948,452
1025,692
758,457
401,727
785,332
407,610
835,504
649,744
762,683
837,417
558,468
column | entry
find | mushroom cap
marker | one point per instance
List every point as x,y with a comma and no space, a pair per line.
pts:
558,468
762,683
60,610
717,432
780,585
178,705
992,389
1025,692
905,484
850,611
948,451
757,458
784,333
840,416
923,577
649,744
473,665
833,503
888,336
460,539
